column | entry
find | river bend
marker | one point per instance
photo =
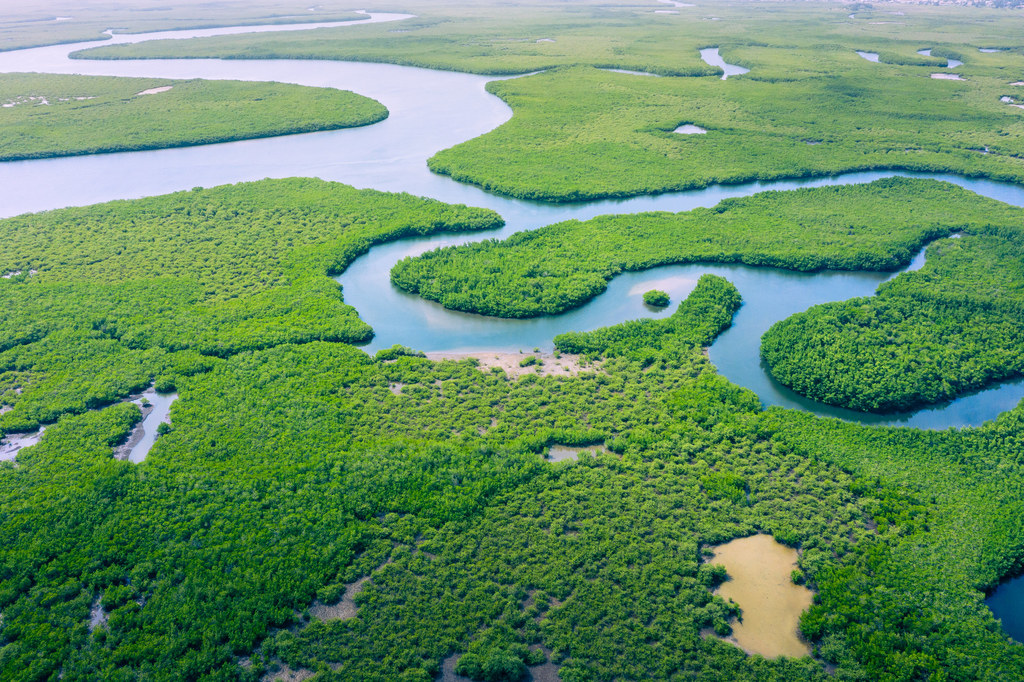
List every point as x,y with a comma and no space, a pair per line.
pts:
391,156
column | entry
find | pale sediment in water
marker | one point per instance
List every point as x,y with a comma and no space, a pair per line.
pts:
677,287
760,583
689,129
870,56
989,50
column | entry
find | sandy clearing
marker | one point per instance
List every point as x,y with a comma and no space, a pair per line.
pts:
547,363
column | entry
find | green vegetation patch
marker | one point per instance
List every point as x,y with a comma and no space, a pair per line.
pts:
469,36
610,135
877,226
99,296
656,298
928,336
47,115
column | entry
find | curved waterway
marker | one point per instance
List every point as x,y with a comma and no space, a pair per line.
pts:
430,111
712,58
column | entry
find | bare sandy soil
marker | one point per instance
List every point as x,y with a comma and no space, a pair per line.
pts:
344,609
547,365
155,91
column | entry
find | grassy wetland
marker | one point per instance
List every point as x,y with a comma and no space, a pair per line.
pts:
809,105
47,22
313,511
49,115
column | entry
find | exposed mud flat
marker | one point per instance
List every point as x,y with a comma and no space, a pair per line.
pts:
12,443
286,674
759,570
40,101
97,616
948,76
125,449
155,411
346,608
562,453
547,364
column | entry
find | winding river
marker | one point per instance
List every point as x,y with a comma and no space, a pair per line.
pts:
391,155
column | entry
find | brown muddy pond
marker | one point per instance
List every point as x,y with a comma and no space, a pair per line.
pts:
759,570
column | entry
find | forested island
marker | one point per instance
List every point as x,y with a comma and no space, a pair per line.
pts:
45,115
314,508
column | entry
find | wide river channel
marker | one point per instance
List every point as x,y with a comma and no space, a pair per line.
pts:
429,111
